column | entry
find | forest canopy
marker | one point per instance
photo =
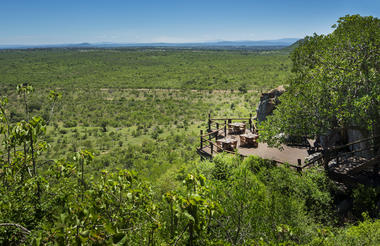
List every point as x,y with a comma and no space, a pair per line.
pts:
335,83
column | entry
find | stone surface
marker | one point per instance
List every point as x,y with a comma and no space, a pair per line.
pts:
344,136
268,102
333,138
355,135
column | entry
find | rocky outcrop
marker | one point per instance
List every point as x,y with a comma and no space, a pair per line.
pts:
335,137
355,135
268,102
344,136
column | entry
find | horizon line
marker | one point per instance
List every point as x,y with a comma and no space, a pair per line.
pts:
153,42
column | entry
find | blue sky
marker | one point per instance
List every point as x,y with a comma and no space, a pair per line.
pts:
126,21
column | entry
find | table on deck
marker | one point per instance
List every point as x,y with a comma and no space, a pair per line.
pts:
249,139
227,144
237,127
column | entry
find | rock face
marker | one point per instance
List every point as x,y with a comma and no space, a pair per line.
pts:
268,102
334,138
355,135
343,136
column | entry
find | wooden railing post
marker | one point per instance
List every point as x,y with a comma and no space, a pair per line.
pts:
225,128
250,122
201,139
299,167
209,122
326,157
217,130
211,146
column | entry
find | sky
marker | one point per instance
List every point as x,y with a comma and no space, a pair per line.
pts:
174,21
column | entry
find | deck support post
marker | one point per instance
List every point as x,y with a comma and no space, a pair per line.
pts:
325,154
225,128
376,174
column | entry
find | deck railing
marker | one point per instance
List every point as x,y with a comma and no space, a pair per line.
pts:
214,134
229,120
335,152
206,140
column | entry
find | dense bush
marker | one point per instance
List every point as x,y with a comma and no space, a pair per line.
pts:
264,202
228,201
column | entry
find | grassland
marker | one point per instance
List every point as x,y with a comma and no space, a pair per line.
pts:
144,68
137,108
142,110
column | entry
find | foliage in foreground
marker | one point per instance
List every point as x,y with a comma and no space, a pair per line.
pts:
228,201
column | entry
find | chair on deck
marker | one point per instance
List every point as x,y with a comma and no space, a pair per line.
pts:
219,143
242,127
243,140
249,140
230,129
233,145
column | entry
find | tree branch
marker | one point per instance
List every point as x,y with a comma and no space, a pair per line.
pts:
25,231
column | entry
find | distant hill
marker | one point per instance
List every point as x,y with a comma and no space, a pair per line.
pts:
280,43
293,45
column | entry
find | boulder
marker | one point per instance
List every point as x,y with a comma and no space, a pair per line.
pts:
344,136
334,137
355,134
268,102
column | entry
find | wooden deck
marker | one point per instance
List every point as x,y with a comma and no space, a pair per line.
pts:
286,155
348,167
295,156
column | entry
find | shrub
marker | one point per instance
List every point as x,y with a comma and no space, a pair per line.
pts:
364,200
69,123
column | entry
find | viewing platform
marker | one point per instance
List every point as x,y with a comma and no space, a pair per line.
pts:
350,163
230,135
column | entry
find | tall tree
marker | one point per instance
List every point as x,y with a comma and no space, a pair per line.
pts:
335,83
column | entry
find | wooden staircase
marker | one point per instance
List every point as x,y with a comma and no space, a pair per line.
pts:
360,166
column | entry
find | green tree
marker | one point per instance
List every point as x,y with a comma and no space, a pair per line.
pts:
23,90
335,82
